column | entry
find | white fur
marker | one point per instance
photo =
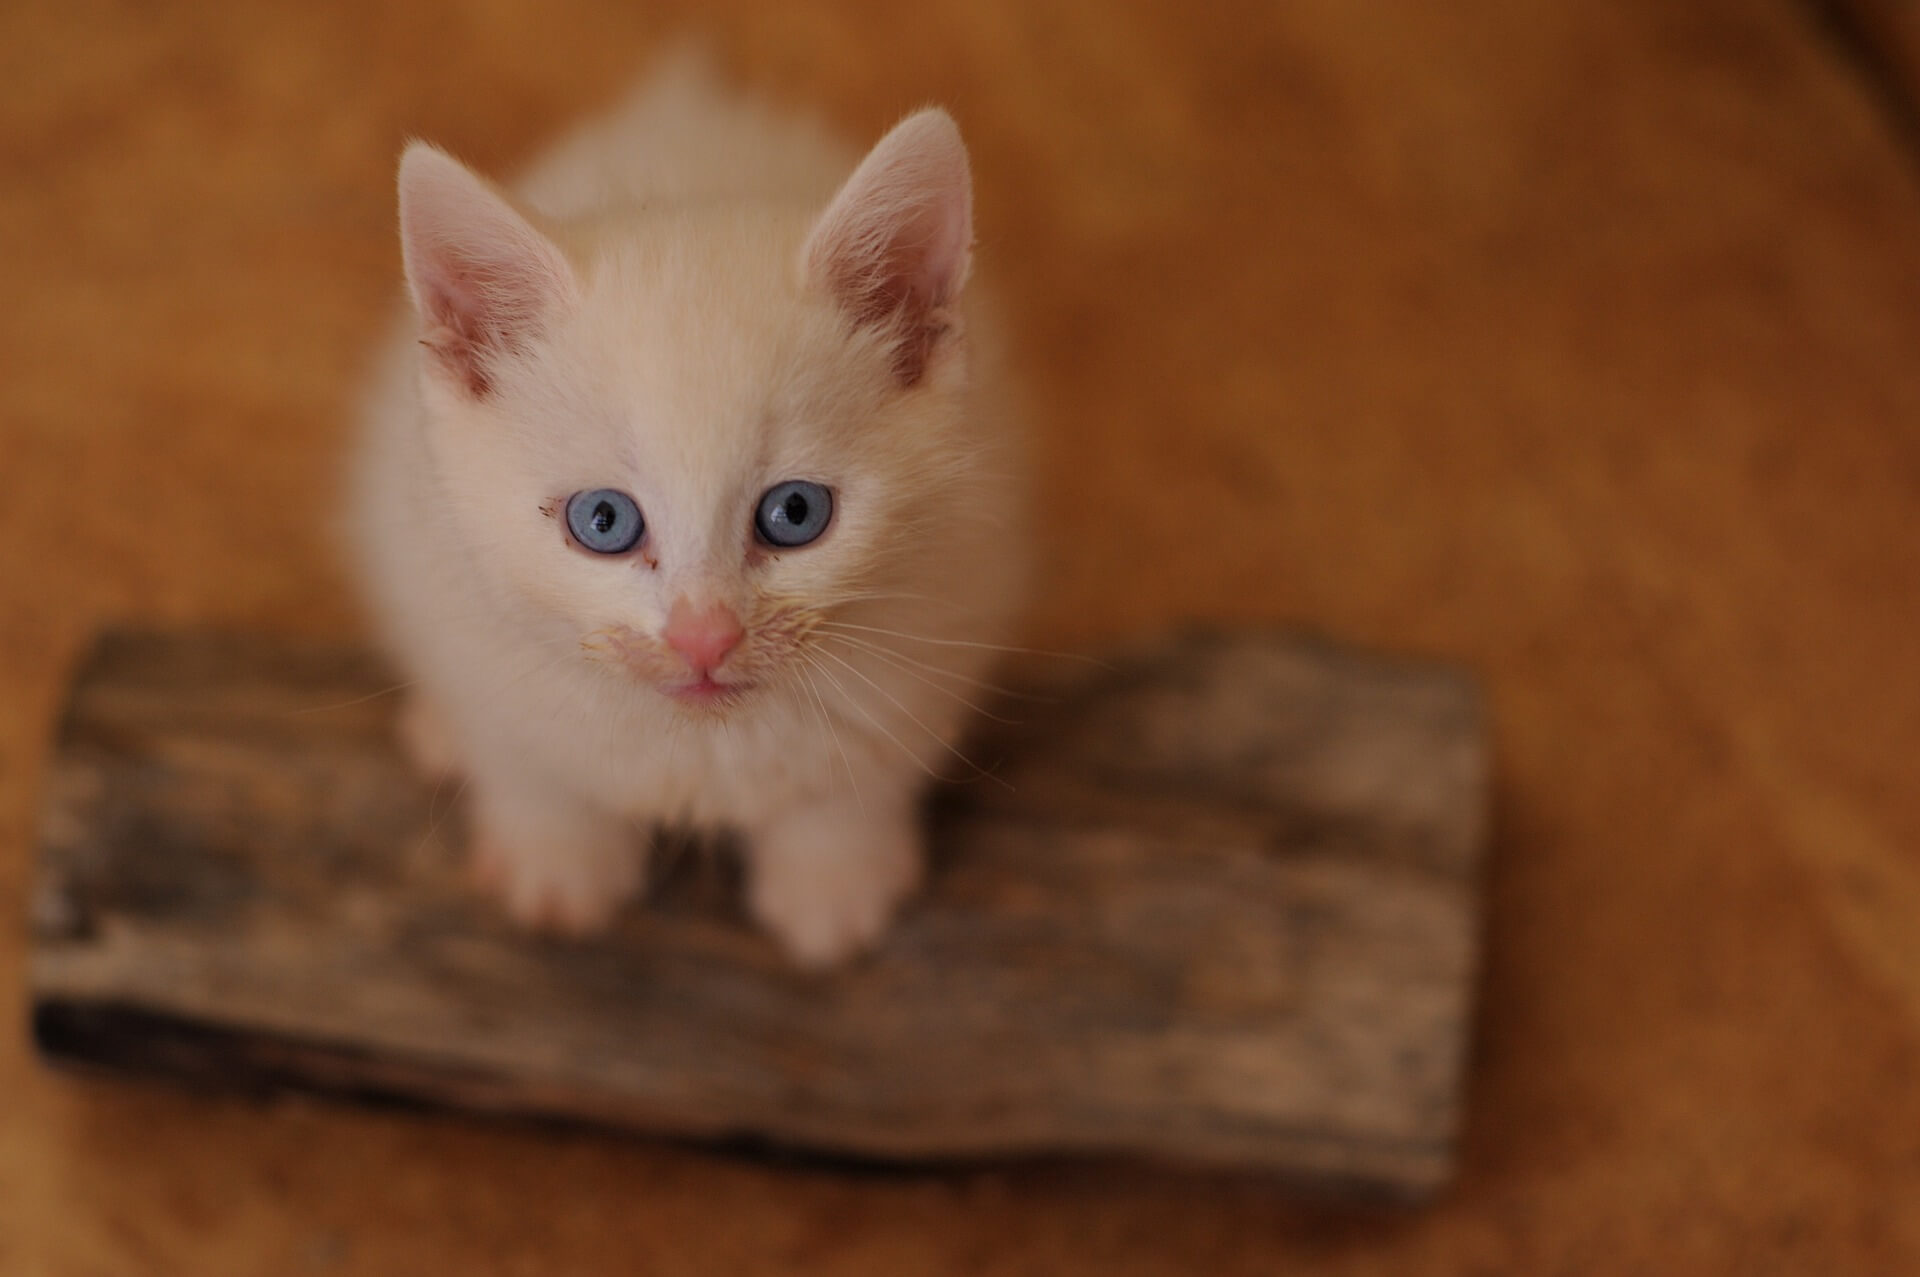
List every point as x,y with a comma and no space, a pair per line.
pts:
679,303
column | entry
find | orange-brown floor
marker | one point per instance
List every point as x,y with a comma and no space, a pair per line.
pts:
1578,342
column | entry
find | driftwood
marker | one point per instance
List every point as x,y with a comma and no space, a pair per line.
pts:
1225,911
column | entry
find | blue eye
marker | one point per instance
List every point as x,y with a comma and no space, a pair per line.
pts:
793,513
605,521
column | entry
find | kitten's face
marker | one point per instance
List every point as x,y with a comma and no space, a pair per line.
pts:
700,465
689,439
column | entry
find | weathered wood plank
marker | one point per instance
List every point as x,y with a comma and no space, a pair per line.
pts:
1224,911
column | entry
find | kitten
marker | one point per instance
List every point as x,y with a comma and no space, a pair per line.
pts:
689,499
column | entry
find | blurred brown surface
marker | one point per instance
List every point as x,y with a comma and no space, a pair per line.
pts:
1579,342
1886,36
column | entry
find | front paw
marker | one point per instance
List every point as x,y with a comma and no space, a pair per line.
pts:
826,883
566,889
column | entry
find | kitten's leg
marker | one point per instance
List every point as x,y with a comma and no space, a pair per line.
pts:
556,863
826,878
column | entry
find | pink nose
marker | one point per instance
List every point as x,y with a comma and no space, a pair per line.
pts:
703,635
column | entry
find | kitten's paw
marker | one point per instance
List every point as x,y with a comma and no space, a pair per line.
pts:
425,740
826,883
565,889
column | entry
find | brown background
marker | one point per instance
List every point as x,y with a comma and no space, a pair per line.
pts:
1579,342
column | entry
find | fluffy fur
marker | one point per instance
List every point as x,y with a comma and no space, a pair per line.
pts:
690,301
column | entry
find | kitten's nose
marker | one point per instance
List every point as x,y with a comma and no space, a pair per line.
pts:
703,635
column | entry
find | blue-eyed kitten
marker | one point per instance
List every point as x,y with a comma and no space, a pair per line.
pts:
689,499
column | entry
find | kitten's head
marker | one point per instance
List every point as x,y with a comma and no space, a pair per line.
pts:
691,437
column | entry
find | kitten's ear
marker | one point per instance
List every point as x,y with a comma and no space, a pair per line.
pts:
483,279
894,246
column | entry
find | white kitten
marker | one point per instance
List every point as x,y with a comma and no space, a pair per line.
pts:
688,500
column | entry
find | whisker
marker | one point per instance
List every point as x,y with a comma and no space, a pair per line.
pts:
358,700
877,724
968,643
436,819
991,688
833,732
882,654
914,718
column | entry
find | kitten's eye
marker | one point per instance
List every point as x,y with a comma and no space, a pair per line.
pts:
793,513
605,521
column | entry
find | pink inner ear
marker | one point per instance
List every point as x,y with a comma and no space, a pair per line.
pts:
483,279
459,325
894,246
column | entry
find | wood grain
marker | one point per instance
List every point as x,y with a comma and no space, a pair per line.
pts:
1221,906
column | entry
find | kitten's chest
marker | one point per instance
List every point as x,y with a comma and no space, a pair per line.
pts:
655,764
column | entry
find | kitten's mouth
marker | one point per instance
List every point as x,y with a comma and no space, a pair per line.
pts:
705,693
